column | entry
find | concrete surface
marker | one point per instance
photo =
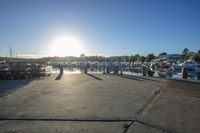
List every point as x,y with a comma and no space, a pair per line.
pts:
177,108
141,128
99,103
61,126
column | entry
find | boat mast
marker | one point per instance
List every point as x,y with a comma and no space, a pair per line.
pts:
11,54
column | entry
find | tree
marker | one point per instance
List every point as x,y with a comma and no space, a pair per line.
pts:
142,59
186,54
198,52
137,57
132,58
82,55
163,53
197,57
150,57
185,51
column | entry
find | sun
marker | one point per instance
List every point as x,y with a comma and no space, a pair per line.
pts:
65,46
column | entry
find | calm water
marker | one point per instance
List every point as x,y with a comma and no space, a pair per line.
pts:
126,72
67,70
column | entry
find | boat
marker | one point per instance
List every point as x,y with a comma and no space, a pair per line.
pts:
192,67
168,73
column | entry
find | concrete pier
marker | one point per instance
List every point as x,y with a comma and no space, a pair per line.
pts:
99,103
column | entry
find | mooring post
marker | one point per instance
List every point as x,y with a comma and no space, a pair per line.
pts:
116,69
184,73
104,68
86,67
120,67
144,70
61,69
109,67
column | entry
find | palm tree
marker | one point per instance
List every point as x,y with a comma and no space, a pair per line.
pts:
185,51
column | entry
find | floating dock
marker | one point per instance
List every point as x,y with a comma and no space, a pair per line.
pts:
99,103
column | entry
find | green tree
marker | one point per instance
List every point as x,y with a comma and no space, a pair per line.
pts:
186,54
198,52
197,57
137,57
142,59
150,57
163,53
185,51
132,58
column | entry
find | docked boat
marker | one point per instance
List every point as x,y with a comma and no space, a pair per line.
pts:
192,67
23,70
167,73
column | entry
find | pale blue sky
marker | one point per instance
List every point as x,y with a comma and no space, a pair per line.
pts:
108,27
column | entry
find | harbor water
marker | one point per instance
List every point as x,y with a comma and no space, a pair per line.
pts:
130,72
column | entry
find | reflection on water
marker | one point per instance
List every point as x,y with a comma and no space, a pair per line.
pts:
99,70
132,73
174,75
67,70
71,70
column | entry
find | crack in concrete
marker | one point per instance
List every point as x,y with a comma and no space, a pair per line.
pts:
58,119
128,126
153,97
154,126
143,108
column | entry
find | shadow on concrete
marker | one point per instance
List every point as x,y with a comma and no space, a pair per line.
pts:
59,76
147,78
10,86
131,77
140,78
97,78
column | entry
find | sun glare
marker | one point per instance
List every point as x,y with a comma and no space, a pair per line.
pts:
65,46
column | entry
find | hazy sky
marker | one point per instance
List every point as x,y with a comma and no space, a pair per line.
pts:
106,27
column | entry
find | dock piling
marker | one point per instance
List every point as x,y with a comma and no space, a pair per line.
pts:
184,73
86,66
108,68
116,69
104,68
144,70
61,70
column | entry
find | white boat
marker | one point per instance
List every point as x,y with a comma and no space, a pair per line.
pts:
192,67
168,73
